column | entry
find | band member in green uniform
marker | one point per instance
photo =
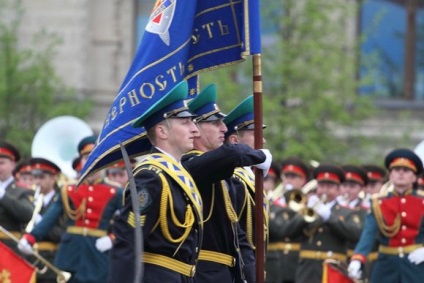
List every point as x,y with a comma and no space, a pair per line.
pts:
219,259
327,226
45,174
240,124
283,247
16,205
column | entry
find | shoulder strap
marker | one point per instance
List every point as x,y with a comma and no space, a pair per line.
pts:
178,173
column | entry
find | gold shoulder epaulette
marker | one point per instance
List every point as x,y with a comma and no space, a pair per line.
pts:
155,169
144,166
420,193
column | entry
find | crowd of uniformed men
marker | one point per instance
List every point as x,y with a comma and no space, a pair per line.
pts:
196,207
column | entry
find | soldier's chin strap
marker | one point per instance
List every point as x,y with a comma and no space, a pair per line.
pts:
138,236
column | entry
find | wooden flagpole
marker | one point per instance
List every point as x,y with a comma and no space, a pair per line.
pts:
259,211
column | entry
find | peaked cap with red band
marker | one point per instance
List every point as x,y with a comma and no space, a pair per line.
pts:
374,172
23,167
41,166
355,174
9,151
120,165
329,173
76,164
296,166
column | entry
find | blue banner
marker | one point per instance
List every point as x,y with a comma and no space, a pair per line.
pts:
182,39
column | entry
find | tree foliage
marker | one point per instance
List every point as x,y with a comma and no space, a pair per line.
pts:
309,65
30,90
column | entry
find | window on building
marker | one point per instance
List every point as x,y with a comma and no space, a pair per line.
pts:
384,52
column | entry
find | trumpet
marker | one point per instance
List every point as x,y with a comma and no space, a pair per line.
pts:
310,214
297,199
62,276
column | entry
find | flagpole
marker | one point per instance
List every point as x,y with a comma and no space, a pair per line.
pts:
259,210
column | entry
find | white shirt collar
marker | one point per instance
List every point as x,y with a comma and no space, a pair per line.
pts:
47,197
166,153
5,184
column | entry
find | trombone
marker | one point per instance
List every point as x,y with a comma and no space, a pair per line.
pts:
62,276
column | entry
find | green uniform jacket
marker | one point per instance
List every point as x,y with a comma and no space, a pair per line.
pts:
326,240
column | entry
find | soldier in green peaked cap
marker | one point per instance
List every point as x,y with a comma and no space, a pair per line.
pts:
169,203
219,258
240,123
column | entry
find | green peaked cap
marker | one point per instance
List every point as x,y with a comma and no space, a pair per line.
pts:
204,105
173,102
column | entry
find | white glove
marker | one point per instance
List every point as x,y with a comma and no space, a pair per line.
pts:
25,247
264,166
312,201
354,269
103,244
417,256
324,211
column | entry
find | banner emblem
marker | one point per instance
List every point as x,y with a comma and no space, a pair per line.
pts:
161,19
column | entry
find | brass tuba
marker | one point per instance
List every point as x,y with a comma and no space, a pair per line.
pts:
57,140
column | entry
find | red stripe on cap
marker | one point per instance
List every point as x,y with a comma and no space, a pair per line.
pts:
78,167
5,152
120,164
328,176
403,162
352,176
45,167
374,176
271,172
25,169
290,168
